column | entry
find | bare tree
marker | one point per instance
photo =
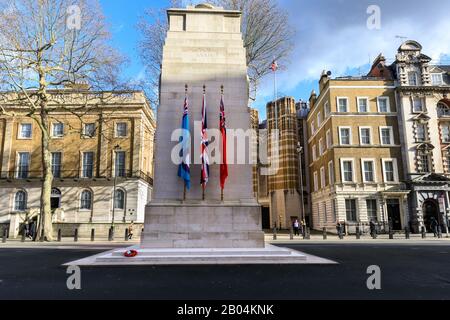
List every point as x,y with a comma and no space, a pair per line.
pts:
45,47
266,30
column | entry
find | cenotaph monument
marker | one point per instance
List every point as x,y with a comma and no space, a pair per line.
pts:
203,56
203,50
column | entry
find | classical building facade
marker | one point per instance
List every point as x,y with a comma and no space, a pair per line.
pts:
100,142
424,116
355,162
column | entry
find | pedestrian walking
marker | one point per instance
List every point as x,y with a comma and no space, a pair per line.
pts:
434,225
296,228
130,231
373,228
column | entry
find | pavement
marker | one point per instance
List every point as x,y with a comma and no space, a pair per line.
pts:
413,270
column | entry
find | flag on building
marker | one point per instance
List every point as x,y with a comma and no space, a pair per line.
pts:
204,147
223,133
184,170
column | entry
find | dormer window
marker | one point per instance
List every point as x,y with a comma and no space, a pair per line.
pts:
412,78
437,79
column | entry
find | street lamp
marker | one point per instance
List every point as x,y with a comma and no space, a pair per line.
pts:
302,201
116,148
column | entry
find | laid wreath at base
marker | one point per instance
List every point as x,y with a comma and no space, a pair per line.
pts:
130,254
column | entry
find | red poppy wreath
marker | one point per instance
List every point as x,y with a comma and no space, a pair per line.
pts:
130,254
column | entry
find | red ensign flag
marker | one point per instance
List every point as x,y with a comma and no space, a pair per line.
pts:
223,131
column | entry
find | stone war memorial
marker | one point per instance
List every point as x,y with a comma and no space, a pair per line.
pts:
203,56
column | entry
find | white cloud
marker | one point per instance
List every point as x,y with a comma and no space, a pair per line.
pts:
333,35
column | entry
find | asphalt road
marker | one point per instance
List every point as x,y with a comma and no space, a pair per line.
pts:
407,272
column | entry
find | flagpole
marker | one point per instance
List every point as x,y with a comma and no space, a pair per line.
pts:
204,184
222,189
185,185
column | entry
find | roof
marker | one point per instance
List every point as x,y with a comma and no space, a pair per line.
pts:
445,68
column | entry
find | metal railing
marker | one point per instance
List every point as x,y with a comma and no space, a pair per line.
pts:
76,174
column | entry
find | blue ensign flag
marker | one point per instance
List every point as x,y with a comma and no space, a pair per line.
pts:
184,170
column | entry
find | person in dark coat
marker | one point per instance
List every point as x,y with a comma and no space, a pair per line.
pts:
434,225
373,228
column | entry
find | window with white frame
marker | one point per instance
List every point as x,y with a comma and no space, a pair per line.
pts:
321,147
365,136
413,78
350,210
383,104
58,130
314,153
20,201
23,165
319,119
88,165
327,109
347,170
25,131
372,210
368,166
119,199
445,132
390,170
421,132
425,160
120,169
437,79
56,164
443,110
363,105
89,130
386,136
417,104
322,177
316,182
328,137
121,129
342,104
86,200
331,173
345,135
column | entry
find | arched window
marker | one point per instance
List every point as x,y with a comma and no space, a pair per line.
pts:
443,110
86,200
119,199
20,201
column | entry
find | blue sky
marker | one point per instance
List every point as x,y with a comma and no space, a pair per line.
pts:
330,35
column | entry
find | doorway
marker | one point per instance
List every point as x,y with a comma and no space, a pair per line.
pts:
55,199
430,210
265,218
394,215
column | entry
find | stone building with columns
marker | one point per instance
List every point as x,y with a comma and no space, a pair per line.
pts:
100,142
422,90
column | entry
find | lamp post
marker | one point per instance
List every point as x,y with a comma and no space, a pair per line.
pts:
302,201
116,148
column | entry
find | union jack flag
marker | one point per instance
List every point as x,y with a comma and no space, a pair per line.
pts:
204,156
274,66
223,131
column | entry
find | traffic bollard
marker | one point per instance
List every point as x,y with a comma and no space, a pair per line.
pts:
5,233
42,236
358,234
325,234
308,234
391,235
23,236
407,233
274,233
75,237
59,235
92,235
126,234
424,233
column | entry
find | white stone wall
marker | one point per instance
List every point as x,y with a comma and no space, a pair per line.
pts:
138,194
